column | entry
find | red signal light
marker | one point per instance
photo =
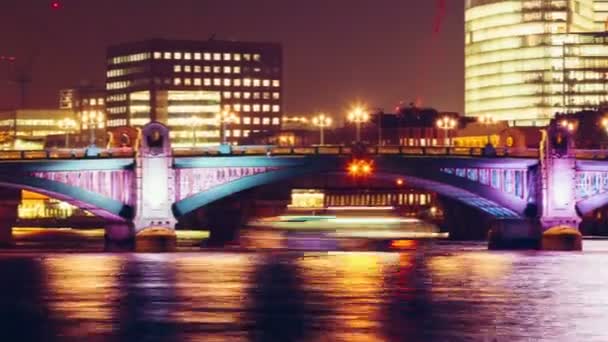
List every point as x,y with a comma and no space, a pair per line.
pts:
55,5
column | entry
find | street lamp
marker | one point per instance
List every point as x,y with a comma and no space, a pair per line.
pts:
446,123
93,120
68,125
569,125
321,121
194,122
488,120
358,115
226,117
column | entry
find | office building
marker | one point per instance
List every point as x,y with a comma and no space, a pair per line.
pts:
86,102
186,84
526,60
27,129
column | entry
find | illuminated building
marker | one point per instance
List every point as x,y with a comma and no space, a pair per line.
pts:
181,82
81,100
526,60
27,129
36,206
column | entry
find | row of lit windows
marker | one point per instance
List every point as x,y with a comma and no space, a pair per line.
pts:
208,69
117,122
227,82
208,56
247,95
117,98
266,108
93,101
126,71
137,57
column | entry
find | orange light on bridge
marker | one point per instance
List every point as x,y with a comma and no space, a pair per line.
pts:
399,181
359,168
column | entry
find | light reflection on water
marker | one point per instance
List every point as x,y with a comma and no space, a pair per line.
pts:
440,292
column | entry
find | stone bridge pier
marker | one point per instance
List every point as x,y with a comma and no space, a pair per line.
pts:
9,206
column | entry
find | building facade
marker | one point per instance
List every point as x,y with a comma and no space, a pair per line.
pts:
27,129
186,84
526,60
85,102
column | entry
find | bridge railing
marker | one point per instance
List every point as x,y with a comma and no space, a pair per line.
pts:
591,154
346,150
77,153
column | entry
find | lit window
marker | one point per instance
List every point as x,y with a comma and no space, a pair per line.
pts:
246,95
266,108
187,68
93,102
207,81
237,56
207,68
247,108
276,121
247,120
197,56
177,55
257,57
276,108
197,68
227,70
217,81
276,83
217,69
227,56
237,82
246,133
158,55
256,121
237,95
187,81
256,69
227,82
197,81
266,83
217,56
100,101
187,56
256,96
266,121
247,57
236,69
207,56
227,94
236,133
236,107
247,82
256,107
256,82
167,55
266,96
276,96
177,81
177,68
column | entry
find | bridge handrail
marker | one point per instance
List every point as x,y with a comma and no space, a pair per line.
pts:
65,153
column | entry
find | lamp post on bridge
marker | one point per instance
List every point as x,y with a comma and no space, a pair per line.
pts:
68,125
358,115
488,120
225,118
93,120
446,123
321,121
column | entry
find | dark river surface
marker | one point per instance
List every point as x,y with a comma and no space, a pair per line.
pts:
439,291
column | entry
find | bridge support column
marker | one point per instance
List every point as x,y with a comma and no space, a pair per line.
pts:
9,206
120,236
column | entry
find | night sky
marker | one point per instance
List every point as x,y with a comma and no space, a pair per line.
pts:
379,52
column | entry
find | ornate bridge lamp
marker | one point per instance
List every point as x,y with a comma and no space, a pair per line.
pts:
321,121
226,117
488,120
93,120
358,115
68,125
446,123
194,122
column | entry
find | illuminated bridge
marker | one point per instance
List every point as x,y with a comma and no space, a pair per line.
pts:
158,185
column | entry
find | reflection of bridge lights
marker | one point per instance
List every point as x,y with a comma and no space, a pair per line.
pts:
358,168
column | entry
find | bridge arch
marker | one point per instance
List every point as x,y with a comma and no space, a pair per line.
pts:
424,173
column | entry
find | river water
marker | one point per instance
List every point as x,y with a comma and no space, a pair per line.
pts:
439,291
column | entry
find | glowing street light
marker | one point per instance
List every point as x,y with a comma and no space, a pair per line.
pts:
225,118
446,123
194,122
488,120
360,168
322,121
568,124
93,120
67,124
358,115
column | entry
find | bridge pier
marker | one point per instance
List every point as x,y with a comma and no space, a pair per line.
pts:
120,236
9,210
